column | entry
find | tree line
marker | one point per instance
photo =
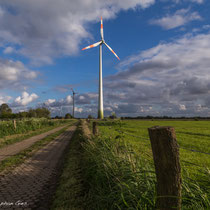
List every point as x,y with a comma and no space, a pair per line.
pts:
6,113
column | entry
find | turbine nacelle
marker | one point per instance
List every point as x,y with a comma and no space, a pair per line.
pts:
101,42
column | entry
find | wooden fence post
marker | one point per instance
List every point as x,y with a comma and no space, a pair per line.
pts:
167,166
95,129
14,124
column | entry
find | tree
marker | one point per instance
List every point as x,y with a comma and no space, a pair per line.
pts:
5,108
113,116
5,111
32,113
23,114
68,116
90,116
42,112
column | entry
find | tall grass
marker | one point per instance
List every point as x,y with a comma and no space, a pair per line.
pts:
23,126
119,178
116,177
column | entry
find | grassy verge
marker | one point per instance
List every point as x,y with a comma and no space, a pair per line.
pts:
116,177
19,137
13,161
70,191
120,178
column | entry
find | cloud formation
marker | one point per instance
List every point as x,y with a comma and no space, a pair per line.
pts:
43,30
172,78
179,18
5,99
13,74
58,103
25,99
194,1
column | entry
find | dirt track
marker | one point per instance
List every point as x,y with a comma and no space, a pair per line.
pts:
31,185
15,148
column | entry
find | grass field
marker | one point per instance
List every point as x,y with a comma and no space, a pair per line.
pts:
121,171
194,135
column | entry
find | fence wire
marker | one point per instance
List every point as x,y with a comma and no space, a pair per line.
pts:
142,138
184,161
133,135
193,150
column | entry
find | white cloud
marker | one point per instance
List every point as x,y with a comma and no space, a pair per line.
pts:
5,99
81,97
69,99
195,1
25,99
180,18
14,74
49,101
78,109
182,107
58,103
8,50
51,28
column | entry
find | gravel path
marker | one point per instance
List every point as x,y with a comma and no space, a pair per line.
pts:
32,184
15,148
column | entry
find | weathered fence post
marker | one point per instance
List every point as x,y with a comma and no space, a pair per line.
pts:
14,124
167,166
95,129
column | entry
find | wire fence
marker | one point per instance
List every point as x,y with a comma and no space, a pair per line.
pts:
191,150
184,161
142,138
133,135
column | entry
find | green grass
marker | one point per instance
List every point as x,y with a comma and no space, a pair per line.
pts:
70,191
13,161
119,169
190,134
26,125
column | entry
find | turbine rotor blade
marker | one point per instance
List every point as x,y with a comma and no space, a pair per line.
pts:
102,29
111,50
93,45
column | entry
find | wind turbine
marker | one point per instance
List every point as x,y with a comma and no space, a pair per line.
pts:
73,100
100,97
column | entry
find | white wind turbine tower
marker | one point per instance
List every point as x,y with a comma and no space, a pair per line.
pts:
100,97
73,93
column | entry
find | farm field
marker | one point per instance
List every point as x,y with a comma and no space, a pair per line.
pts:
125,168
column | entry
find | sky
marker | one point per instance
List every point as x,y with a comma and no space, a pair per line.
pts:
163,46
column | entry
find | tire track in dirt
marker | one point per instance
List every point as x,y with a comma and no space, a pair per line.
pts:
32,184
15,148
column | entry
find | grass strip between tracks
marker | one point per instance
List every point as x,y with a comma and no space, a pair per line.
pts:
11,162
70,191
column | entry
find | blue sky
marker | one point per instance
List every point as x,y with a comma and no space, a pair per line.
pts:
164,50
